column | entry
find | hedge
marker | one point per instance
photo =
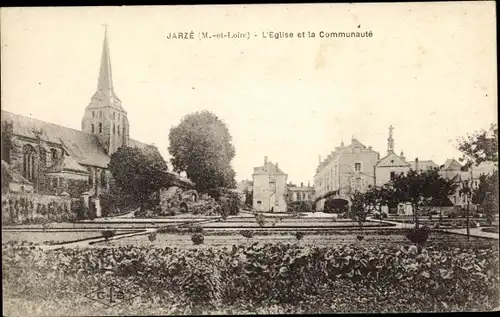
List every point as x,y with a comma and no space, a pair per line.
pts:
276,278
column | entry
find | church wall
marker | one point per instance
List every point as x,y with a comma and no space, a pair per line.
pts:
383,173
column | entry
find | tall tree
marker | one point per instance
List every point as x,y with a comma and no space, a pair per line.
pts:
485,195
421,188
201,146
138,174
479,147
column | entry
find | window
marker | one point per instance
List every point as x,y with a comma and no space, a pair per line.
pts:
259,202
124,131
357,167
119,130
114,115
53,153
29,162
103,178
393,175
100,114
91,178
92,128
113,128
100,127
118,116
93,114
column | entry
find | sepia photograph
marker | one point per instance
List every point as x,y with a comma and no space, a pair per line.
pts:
249,159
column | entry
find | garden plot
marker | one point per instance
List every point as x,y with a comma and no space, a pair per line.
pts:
44,237
375,239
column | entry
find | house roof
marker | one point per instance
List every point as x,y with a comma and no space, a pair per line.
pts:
452,164
423,164
269,167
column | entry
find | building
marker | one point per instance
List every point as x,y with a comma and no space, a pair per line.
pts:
346,170
269,188
453,170
53,159
302,193
242,188
392,164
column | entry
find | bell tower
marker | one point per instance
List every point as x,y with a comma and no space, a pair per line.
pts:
104,116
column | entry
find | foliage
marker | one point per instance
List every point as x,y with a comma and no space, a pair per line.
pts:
6,177
138,174
358,208
480,146
486,195
197,238
37,209
421,188
201,146
418,236
261,219
6,143
300,206
335,205
152,236
108,233
270,277
299,235
247,233
77,187
248,198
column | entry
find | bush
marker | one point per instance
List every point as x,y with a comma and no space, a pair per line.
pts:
247,233
286,278
261,219
106,234
418,236
299,235
197,238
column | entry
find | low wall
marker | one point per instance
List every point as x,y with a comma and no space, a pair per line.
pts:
28,208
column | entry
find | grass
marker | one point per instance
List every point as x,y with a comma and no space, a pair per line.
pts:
42,237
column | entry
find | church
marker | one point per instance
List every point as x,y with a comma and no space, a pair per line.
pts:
50,159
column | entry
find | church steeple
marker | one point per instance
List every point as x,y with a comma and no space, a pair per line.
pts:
105,84
104,116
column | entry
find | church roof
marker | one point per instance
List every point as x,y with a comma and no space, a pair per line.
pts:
66,163
392,160
84,147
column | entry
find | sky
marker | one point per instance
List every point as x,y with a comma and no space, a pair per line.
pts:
429,70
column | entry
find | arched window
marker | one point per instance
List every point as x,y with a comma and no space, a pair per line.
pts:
29,162
100,114
114,128
124,131
103,178
118,130
91,176
93,114
92,128
53,154
100,127
114,115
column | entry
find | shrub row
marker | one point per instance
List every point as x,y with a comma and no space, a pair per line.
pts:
310,279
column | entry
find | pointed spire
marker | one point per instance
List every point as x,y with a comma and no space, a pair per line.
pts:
105,84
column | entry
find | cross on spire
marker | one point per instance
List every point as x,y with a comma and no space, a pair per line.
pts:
390,141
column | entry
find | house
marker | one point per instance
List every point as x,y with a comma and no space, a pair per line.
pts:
302,193
269,188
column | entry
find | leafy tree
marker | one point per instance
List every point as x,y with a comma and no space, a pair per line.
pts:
486,195
6,141
479,147
358,204
248,198
138,174
421,188
201,146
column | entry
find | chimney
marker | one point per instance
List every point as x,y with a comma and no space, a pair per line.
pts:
301,184
265,160
402,155
416,164
308,183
